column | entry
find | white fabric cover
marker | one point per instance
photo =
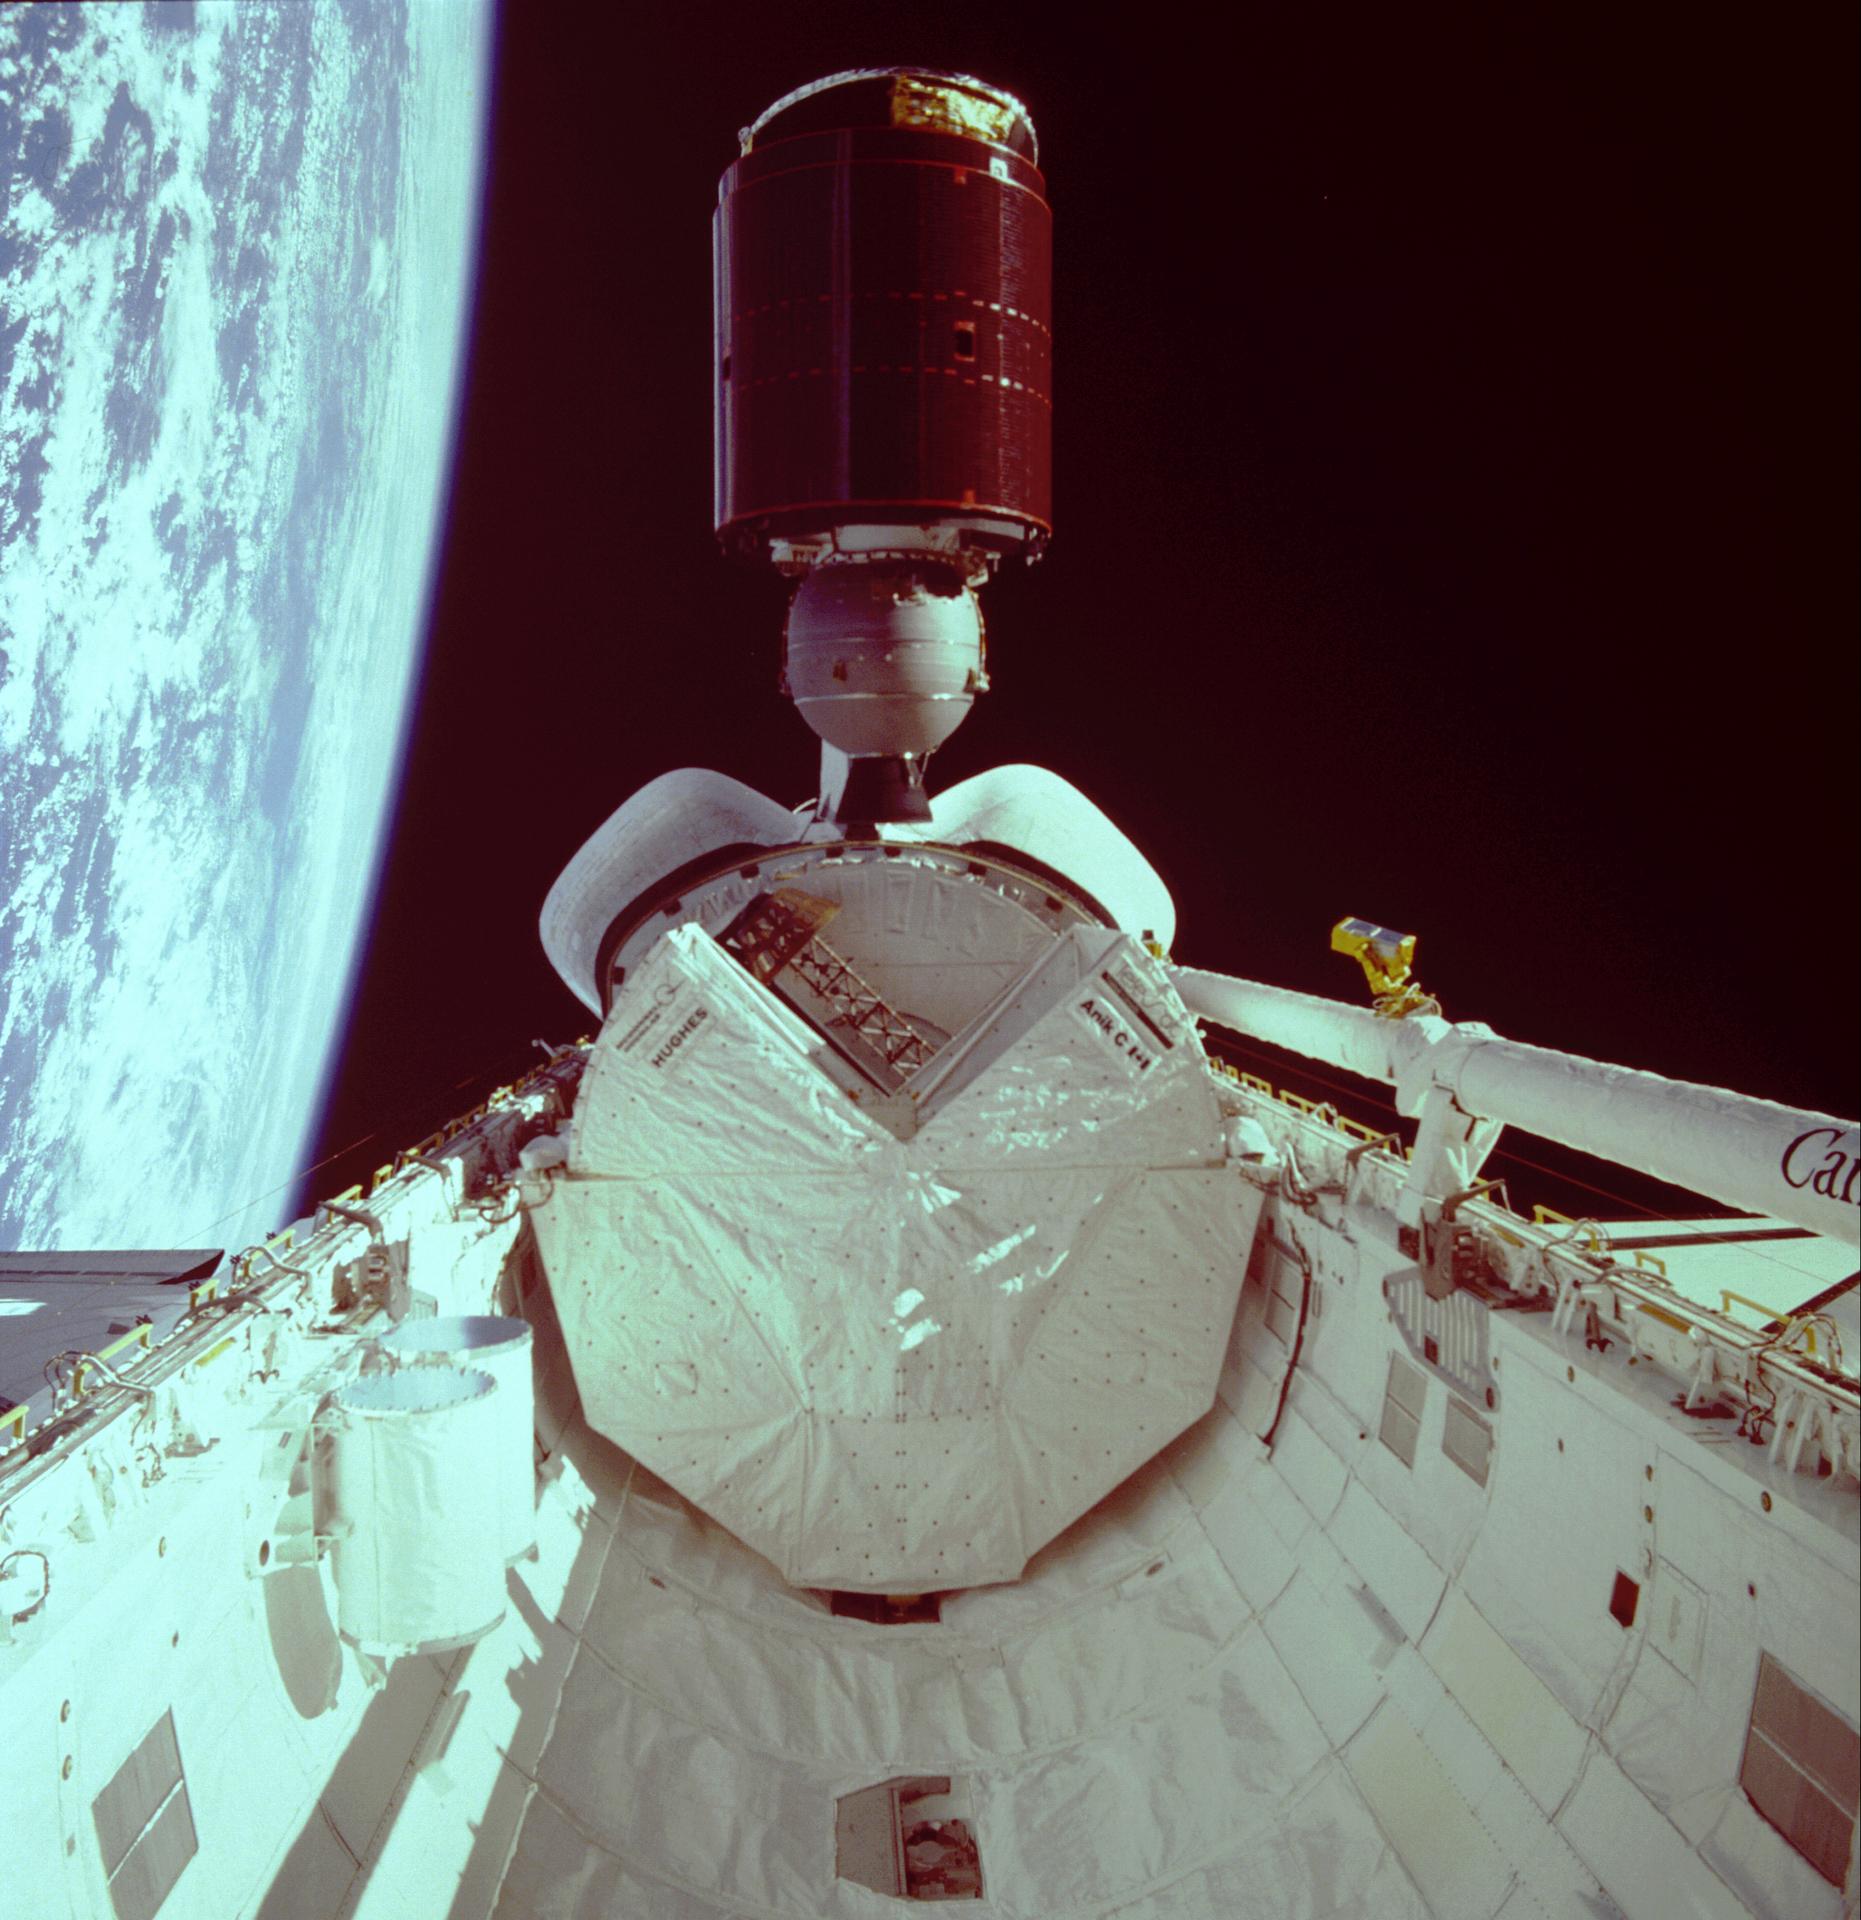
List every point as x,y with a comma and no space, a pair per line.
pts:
1132,1743
681,816
501,1348
413,1490
893,1365
1038,813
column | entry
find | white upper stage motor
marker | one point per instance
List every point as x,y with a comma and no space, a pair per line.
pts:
898,1223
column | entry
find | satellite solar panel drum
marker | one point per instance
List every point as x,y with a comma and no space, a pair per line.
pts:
501,1348
413,1493
883,267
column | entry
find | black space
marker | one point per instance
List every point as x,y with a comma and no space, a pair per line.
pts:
1455,507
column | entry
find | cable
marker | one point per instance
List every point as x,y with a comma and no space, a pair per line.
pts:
395,1127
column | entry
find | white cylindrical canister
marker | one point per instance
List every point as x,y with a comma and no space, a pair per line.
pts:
413,1496
501,1348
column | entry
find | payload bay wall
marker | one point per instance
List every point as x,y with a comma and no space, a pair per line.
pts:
1450,1606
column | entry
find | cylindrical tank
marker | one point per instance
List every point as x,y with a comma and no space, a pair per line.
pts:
412,1495
883,324
501,1348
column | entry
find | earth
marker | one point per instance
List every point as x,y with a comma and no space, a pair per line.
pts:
236,263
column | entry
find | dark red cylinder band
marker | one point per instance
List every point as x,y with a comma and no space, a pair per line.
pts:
883,334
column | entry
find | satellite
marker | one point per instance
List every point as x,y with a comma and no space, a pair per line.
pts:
893,1416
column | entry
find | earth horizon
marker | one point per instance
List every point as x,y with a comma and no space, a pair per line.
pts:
236,272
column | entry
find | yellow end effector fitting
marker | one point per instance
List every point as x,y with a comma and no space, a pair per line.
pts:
1386,958
1384,955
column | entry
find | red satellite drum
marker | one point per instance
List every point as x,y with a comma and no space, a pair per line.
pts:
883,322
